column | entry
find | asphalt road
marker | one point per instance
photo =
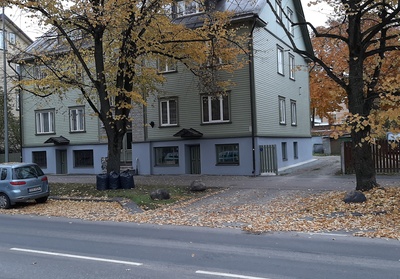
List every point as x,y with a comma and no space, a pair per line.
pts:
37,247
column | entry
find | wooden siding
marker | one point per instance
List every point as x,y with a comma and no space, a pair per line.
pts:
269,85
183,85
31,103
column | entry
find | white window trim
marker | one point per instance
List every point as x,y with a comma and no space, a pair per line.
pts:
290,20
293,112
278,9
169,65
292,68
40,121
282,110
167,101
280,60
221,109
182,8
12,38
79,119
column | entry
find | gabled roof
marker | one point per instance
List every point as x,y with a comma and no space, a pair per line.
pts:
58,140
12,26
189,133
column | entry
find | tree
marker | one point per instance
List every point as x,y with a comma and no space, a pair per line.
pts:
368,30
108,51
14,136
326,96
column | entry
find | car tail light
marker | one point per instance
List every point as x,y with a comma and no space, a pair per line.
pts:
44,178
17,183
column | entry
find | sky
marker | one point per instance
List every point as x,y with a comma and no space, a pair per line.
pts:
314,14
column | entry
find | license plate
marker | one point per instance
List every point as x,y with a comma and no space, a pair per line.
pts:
34,189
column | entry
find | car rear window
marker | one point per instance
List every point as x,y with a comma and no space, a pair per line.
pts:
25,172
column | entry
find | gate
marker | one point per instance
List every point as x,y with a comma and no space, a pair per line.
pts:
268,159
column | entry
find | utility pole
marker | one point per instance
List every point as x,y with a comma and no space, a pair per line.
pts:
5,89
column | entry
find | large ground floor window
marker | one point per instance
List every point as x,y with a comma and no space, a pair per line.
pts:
39,158
83,158
227,154
166,156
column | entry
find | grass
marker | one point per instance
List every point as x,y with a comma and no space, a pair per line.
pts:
140,194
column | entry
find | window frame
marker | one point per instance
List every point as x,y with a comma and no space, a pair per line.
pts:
40,158
169,113
232,150
39,121
282,110
166,65
295,150
289,15
224,109
160,154
184,8
83,158
292,67
284,151
80,119
293,112
278,9
280,60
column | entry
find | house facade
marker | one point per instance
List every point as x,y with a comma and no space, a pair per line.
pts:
12,41
260,126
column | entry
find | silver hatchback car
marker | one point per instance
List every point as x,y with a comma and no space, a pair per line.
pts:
22,182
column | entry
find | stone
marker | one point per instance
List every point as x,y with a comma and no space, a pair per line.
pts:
197,186
160,194
354,197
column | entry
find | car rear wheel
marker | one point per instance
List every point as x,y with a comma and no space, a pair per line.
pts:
41,200
4,201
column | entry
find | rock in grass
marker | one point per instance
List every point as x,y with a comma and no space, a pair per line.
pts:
197,186
355,197
160,194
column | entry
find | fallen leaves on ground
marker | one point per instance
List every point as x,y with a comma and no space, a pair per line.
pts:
288,211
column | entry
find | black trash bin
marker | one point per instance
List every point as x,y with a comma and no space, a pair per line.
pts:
126,180
102,181
113,181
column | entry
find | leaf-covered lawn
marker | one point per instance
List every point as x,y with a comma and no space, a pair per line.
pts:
296,211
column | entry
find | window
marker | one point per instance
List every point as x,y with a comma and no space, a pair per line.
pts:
166,156
188,7
293,113
215,108
282,110
169,112
295,150
279,58
40,158
38,72
289,21
45,122
77,119
83,158
165,65
291,66
284,151
278,8
227,154
2,42
12,38
17,103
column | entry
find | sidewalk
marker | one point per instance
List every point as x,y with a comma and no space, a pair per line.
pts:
320,175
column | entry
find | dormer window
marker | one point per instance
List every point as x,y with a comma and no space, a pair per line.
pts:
187,7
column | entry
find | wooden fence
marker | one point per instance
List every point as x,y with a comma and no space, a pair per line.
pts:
386,158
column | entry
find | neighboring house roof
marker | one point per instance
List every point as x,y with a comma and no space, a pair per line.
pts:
12,26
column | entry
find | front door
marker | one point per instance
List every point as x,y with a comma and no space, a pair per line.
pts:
195,165
61,162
